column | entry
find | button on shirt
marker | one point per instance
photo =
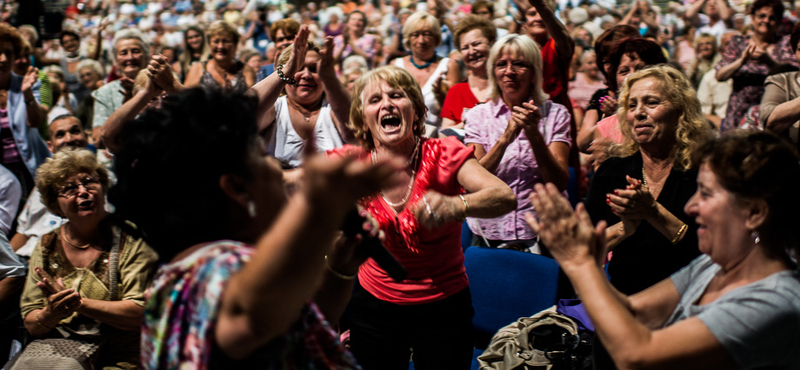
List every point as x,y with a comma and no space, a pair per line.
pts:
484,125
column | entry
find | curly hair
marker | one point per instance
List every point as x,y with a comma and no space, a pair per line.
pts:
692,129
68,162
397,78
758,165
170,163
474,22
11,35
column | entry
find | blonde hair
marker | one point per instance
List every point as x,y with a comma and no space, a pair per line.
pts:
526,47
692,129
67,162
419,21
222,28
397,78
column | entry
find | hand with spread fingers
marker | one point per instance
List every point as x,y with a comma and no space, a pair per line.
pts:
326,64
297,57
635,202
61,302
568,235
436,209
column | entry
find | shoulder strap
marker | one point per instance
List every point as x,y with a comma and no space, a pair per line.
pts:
113,265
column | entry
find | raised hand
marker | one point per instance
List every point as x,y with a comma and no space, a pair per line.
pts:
635,202
30,78
161,73
297,58
568,235
326,64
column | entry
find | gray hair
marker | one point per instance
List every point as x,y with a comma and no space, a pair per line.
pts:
130,34
91,64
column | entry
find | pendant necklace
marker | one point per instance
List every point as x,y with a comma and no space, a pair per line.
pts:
303,111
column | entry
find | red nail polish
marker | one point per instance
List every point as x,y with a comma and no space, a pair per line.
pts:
608,201
616,192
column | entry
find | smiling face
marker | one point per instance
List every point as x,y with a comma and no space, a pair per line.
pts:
88,78
7,57
422,41
513,75
82,196
223,48
721,219
389,115
308,89
356,23
475,50
282,40
652,117
195,40
628,64
589,66
130,57
705,47
66,132
765,21
70,43
534,24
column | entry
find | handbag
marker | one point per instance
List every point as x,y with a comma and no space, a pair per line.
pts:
68,353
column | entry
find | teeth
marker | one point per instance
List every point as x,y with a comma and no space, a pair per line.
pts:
390,116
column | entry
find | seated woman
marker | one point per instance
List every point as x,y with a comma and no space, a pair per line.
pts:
247,283
641,190
519,135
735,307
87,278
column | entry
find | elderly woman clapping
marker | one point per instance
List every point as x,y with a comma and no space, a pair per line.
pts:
734,307
641,190
519,135
87,278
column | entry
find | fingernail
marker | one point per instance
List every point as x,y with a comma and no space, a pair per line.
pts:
608,201
616,192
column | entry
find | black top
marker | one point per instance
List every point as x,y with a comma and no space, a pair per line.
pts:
646,257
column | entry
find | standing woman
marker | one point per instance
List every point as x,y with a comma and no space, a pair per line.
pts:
440,184
355,41
20,113
222,70
422,33
195,49
519,135
474,35
749,59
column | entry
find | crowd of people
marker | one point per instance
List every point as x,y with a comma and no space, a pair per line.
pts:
201,183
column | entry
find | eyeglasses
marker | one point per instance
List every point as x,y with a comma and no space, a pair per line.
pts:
425,34
516,66
285,38
70,190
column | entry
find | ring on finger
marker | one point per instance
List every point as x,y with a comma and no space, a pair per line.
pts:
67,307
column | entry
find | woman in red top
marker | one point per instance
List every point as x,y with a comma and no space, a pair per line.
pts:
430,312
474,36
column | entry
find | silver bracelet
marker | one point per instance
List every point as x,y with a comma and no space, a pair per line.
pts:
288,80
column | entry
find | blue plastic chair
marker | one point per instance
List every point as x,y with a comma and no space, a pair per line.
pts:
506,285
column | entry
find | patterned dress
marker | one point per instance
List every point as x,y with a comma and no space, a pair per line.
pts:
183,307
748,81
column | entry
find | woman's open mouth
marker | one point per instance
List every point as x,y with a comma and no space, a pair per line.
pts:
391,123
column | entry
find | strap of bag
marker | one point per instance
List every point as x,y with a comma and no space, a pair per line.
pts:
113,265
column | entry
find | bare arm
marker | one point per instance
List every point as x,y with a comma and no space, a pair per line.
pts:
695,7
249,75
17,241
553,159
35,112
335,92
124,315
98,50
565,45
39,57
725,11
587,131
487,195
777,115
126,113
194,75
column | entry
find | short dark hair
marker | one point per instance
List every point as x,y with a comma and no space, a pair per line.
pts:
647,50
608,39
174,157
68,33
482,4
758,165
776,5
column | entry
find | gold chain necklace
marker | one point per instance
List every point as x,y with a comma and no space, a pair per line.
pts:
64,237
410,161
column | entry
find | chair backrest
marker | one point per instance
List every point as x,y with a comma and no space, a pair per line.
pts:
507,284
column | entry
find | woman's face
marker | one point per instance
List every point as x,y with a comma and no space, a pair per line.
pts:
350,82
389,114
422,41
705,47
7,57
475,50
222,47
282,40
88,78
628,64
652,117
356,22
589,66
169,54
585,36
534,24
130,57
308,89
765,21
70,43
81,196
513,74
195,40
721,221
255,61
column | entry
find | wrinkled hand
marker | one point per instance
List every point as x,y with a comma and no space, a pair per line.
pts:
30,78
568,235
436,209
608,105
528,116
127,88
326,64
346,256
161,73
61,302
635,202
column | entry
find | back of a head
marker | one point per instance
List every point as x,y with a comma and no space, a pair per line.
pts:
758,165
170,163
